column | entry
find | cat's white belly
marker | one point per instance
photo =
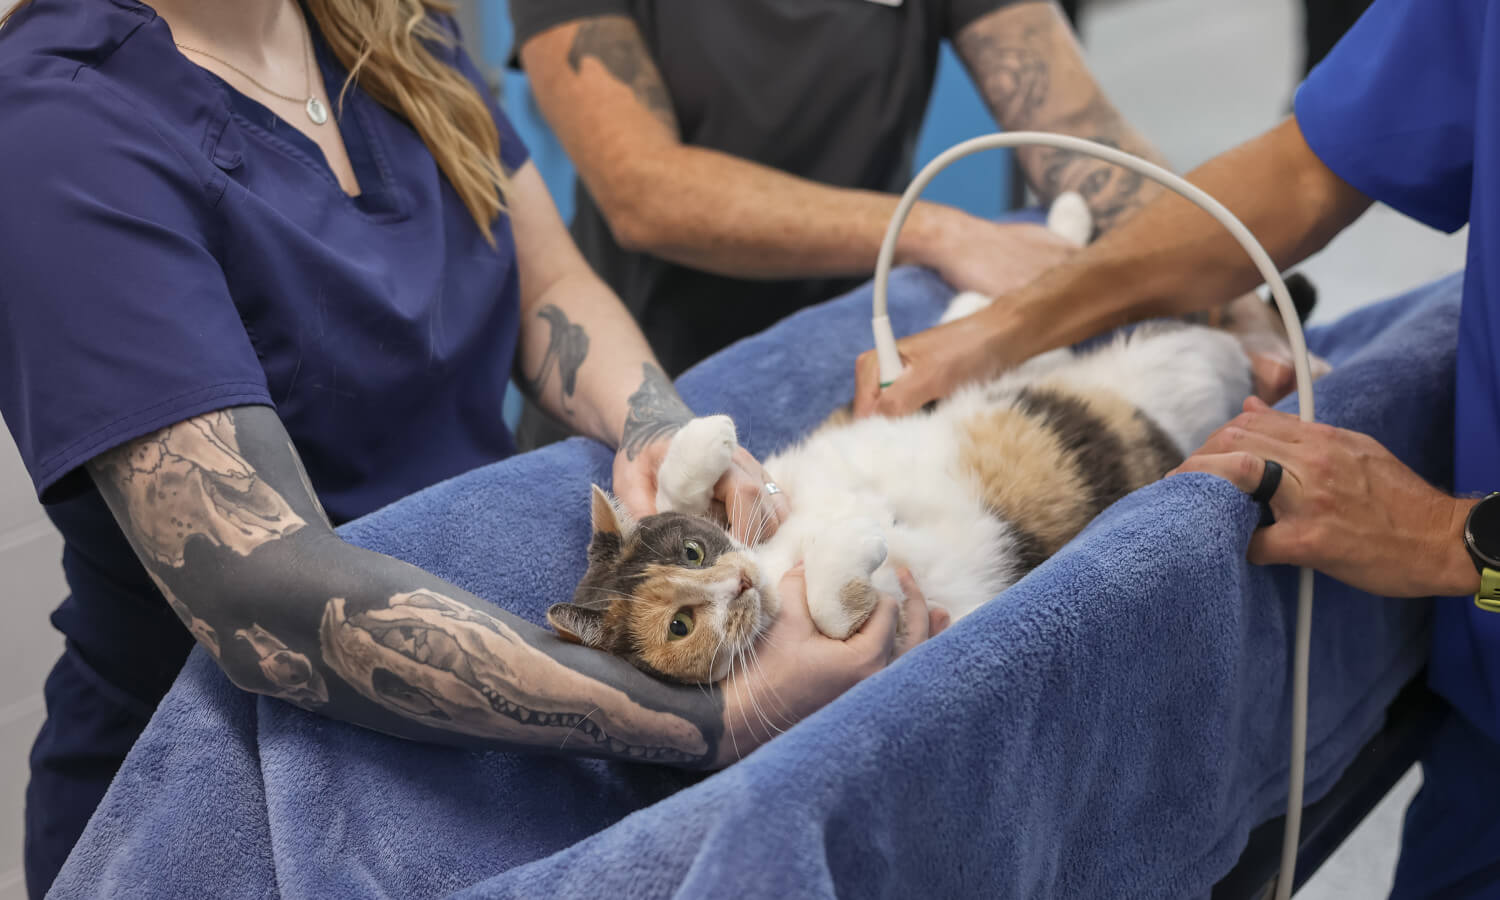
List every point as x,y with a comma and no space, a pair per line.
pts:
905,476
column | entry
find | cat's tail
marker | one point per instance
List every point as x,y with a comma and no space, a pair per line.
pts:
1304,295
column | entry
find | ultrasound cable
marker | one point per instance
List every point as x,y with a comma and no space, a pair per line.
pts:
890,369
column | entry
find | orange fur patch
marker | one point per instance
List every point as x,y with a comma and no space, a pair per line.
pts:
1026,475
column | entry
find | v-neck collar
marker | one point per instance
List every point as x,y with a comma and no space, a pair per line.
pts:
356,119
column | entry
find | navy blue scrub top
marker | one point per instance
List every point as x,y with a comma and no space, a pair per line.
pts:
169,247
1406,109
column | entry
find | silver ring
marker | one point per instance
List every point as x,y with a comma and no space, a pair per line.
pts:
771,488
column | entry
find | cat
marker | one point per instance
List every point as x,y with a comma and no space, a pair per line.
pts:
969,495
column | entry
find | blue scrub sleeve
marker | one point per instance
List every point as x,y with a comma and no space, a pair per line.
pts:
1391,109
115,319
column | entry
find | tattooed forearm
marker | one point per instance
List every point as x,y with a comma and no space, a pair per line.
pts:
655,412
1025,61
292,675
227,527
190,480
566,350
616,43
430,658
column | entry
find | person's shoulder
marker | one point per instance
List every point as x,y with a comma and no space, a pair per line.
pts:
530,18
73,100
62,37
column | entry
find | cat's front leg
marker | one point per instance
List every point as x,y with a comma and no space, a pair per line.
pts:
697,458
840,561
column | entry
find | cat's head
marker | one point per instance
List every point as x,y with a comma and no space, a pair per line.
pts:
674,594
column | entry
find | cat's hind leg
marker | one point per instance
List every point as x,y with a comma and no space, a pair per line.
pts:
840,562
697,458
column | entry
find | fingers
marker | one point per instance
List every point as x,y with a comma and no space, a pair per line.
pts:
866,384
914,614
938,620
1241,469
1273,376
1278,545
1264,432
908,394
754,512
792,590
876,639
637,494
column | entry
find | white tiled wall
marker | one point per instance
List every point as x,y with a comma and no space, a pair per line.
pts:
32,585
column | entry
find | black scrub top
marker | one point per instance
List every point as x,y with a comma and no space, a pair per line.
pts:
829,90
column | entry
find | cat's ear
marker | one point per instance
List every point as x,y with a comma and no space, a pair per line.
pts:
610,517
578,624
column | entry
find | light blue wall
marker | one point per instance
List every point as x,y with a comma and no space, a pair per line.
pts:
979,184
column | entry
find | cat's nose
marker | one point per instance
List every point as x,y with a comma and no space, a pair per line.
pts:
745,582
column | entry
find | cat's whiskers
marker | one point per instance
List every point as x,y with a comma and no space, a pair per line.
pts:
785,718
762,522
750,691
729,679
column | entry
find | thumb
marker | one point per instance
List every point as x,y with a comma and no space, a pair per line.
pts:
905,395
866,384
637,494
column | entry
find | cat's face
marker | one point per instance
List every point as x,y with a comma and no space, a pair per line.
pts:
673,594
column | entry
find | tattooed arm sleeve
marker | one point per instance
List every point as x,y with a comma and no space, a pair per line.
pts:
222,516
601,91
1027,63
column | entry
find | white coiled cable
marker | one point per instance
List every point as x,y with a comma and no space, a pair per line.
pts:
890,369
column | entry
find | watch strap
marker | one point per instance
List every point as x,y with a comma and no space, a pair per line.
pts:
1488,597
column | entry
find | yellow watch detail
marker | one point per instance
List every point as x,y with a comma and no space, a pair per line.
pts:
1488,597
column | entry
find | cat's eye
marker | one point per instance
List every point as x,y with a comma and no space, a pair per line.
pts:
682,625
692,551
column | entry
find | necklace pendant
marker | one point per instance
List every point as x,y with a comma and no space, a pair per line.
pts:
316,111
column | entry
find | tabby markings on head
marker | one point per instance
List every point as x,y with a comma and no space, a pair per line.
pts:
672,593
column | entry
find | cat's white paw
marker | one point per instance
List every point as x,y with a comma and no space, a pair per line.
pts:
697,458
1071,219
964,304
840,561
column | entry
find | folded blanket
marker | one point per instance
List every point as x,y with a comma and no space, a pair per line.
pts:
1113,725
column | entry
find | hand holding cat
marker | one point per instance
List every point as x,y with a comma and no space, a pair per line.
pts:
798,670
753,513
995,258
1346,506
937,362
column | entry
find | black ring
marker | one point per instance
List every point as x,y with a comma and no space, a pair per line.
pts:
1270,480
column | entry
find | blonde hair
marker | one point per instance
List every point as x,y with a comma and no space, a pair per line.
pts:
386,46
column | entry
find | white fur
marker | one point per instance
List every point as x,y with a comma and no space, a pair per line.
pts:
1070,218
697,457
896,485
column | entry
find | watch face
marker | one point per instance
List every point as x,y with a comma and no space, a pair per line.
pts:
1483,531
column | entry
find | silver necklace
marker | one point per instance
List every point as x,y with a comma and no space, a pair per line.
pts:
317,111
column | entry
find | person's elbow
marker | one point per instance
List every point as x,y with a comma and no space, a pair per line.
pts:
636,205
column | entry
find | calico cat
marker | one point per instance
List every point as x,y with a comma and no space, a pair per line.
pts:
970,496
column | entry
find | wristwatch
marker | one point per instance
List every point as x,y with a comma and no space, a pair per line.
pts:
1482,538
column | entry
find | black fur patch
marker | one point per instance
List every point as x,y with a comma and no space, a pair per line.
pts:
1028,549
1095,448
1164,454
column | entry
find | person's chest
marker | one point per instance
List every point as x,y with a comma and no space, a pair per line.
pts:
779,80
360,309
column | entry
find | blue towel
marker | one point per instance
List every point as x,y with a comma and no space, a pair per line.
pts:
1113,725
